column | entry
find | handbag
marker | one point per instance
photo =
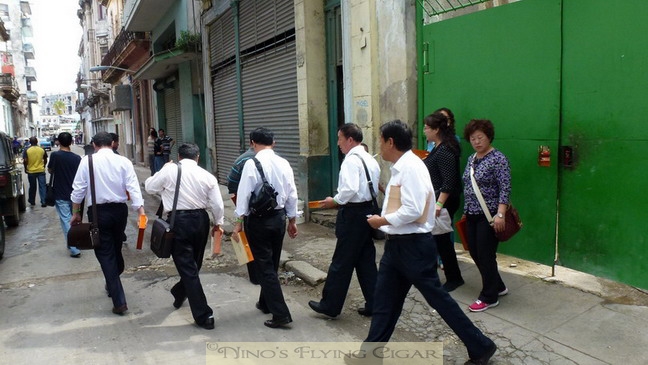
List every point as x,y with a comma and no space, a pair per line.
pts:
49,193
512,222
85,236
162,236
376,233
266,200
442,223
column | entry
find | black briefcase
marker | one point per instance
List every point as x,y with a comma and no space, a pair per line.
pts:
161,238
83,236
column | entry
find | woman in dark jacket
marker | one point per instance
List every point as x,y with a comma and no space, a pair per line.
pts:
443,164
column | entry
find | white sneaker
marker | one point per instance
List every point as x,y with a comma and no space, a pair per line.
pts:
503,292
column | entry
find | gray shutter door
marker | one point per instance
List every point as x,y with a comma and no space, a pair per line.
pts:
270,98
225,121
173,120
221,39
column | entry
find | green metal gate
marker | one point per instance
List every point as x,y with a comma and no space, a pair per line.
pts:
556,73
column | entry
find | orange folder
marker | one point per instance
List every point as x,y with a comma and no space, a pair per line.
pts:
461,229
217,239
316,204
420,153
143,221
242,248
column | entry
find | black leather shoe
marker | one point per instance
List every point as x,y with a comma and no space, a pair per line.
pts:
317,308
277,322
264,310
364,312
208,324
452,285
120,310
177,303
484,359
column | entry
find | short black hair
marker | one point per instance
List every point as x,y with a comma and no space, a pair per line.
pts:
33,141
115,137
65,139
188,150
102,139
351,130
399,132
484,125
262,136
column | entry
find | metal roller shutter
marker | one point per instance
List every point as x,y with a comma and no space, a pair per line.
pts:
264,20
173,120
221,39
270,98
225,121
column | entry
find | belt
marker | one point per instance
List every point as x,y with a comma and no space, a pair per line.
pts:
396,237
361,204
269,214
189,211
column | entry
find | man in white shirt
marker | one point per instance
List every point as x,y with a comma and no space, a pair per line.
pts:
114,176
355,248
410,256
199,191
265,233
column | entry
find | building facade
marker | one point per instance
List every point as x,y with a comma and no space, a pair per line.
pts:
17,70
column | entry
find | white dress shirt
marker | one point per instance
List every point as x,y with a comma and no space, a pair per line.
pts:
278,173
198,188
352,183
113,176
410,173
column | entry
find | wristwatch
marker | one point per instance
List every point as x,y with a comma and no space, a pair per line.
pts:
500,215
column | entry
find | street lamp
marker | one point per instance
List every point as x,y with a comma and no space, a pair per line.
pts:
104,68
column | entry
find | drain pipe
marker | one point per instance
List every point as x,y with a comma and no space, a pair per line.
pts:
239,83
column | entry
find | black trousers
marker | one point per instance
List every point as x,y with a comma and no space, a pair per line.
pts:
354,250
407,262
112,218
483,244
265,236
191,230
445,245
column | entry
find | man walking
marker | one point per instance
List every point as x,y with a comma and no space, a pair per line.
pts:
114,175
410,256
266,232
355,248
63,165
35,159
198,192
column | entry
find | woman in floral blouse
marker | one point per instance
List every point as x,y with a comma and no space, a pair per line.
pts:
443,165
493,176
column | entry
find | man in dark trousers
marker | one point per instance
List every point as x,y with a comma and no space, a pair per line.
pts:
355,248
199,191
63,165
114,175
410,256
265,233
232,186
165,144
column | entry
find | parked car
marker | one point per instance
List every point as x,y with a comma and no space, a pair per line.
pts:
12,192
45,143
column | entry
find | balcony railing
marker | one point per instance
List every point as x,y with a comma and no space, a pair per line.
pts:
28,50
30,73
9,87
120,44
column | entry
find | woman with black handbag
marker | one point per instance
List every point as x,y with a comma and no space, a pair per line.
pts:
488,170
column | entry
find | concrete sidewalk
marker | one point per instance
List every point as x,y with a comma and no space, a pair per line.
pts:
569,318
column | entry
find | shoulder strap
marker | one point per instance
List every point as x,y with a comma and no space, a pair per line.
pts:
95,219
478,193
175,197
369,182
258,166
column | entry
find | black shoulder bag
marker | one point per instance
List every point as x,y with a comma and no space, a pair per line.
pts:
162,235
49,192
377,234
265,201
85,236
